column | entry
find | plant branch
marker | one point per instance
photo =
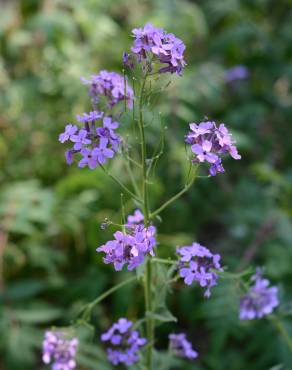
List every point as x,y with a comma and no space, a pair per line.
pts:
282,331
174,198
124,187
165,261
148,273
88,308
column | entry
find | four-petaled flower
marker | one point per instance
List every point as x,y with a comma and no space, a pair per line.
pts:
70,130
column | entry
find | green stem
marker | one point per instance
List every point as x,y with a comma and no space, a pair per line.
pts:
165,261
174,198
124,187
148,274
132,178
88,308
282,331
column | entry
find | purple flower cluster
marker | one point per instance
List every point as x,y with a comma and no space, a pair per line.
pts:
124,343
260,300
59,351
209,142
153,44
181,346
132,246
110,85
197,263
95,144
236,73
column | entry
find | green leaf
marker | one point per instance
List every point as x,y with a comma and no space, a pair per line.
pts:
37,315
22,290
162,315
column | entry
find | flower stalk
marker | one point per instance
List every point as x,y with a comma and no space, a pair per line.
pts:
148,273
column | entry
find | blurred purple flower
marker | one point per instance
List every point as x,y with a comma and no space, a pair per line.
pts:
110,85
88,117
69,156
239,72
197,263
59,351
136,218
128,60
181,346
124,343
260,300
67,134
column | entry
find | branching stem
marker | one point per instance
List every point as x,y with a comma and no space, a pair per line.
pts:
124,187
88,308
175,197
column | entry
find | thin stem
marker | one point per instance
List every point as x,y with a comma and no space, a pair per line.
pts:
125,90
132,178
124,187
143,152
174,198
89,306
231,275
165,261
148,274
282,331
133,161
123,213
158,152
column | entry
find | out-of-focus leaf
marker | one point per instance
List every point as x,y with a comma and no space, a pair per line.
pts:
24,289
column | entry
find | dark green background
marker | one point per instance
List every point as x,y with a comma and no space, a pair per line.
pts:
50,213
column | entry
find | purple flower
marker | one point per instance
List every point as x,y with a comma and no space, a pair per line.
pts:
124,343
136,218
67,134
88,160
69,156
59,350
204,152
129,247
209,143
153,44
91,116
110,85
107,131
128,60
81,139
260,300
102,152
216,168
236,73
181,346
197,263
95,144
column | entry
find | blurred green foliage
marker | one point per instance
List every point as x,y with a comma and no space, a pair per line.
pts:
50,213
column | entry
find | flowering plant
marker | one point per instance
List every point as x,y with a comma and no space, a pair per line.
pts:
135,240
